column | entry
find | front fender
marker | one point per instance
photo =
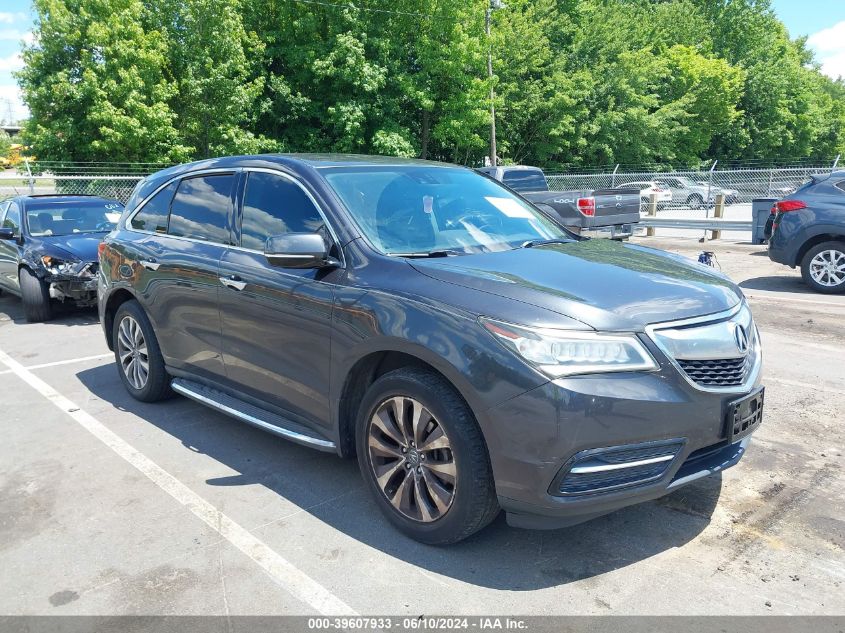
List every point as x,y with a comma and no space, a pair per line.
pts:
449,340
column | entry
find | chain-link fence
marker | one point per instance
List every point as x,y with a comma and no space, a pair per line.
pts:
109,180
693,190
117,187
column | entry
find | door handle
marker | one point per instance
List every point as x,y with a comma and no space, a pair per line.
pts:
234,282
150,263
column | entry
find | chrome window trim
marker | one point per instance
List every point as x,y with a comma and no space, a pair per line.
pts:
753,374
313,200
127,222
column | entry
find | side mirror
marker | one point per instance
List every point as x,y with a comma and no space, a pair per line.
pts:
298,250
8,234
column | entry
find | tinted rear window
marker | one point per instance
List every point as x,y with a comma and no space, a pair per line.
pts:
525,180
201,208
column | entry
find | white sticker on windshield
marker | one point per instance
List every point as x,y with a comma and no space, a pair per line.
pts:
510,207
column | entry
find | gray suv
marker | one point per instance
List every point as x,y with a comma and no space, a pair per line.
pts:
471,353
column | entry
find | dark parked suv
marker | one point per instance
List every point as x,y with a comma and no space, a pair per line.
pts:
808,230
470,352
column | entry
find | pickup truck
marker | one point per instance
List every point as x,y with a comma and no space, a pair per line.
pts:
600,212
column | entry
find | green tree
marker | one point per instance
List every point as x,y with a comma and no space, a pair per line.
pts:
95,84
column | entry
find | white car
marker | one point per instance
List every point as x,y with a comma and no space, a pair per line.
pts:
648,187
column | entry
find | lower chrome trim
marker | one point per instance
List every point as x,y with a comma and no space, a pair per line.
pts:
583,470
293,436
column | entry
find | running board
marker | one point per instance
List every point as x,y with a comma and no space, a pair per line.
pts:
249,413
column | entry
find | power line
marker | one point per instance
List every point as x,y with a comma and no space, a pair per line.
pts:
370,9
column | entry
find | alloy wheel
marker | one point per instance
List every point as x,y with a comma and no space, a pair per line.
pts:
132,351
827,268
411,458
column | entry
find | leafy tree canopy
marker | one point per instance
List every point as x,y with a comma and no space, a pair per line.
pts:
577,81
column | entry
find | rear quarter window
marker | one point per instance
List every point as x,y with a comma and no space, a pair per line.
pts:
840,185
153,216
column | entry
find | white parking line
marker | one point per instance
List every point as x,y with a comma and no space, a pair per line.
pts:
288,576
70,361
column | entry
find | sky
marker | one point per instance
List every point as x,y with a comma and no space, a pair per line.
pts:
823,21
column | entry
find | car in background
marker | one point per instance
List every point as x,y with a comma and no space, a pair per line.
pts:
472,353
808,230
647,188
693,193
48,249
609,213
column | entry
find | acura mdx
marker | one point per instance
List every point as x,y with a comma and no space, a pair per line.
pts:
469,351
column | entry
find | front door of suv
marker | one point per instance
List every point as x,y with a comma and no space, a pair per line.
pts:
277,321
177,267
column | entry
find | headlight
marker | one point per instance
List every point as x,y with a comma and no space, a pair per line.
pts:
58,266
564,353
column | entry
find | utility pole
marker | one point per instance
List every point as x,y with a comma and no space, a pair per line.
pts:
494,4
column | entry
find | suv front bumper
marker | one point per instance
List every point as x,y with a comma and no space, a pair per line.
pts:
534,437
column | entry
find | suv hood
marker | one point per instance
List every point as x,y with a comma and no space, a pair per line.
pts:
602,283
83,246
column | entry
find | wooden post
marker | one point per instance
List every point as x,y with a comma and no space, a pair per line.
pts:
652,212
718,212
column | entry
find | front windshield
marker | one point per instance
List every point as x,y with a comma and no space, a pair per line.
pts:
418,209
67,217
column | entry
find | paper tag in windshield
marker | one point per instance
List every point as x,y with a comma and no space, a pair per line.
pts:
509,207
428,204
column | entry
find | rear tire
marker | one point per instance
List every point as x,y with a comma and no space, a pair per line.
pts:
36,297
428,505
138,356
823,267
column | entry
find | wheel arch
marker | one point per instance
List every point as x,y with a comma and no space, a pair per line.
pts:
116,299
364,371
814,240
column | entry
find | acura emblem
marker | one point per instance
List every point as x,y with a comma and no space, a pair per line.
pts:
741,338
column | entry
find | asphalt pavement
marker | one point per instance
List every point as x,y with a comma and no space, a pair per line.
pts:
111,507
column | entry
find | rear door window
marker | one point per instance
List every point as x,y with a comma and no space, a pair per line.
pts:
201,208
274,205
153,216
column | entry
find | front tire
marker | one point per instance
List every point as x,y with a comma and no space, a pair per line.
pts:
823,267
36,297
138,356
424,458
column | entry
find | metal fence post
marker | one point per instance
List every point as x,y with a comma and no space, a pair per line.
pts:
718,212
652,211
835,163
771,180
31,179
613,176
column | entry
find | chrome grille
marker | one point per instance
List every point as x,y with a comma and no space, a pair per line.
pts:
720,372
719,352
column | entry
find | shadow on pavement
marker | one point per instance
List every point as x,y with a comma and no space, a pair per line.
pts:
778,283
63,314
331,490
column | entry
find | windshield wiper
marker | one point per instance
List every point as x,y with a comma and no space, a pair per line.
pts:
443,253
533,243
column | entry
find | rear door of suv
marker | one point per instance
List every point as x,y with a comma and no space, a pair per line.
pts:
276,322
187,228
10,249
